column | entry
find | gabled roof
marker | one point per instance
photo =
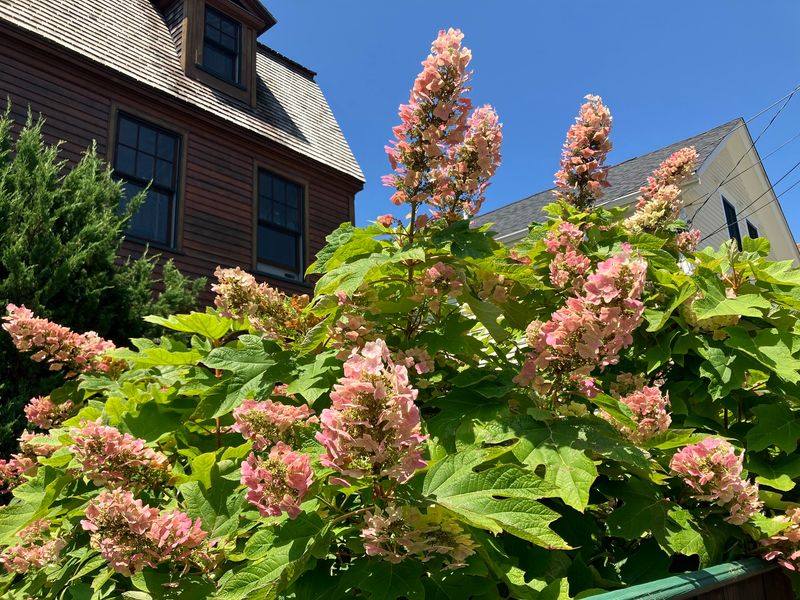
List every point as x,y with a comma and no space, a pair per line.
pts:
625,178
131,38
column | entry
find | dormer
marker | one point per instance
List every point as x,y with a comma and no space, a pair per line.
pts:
216,40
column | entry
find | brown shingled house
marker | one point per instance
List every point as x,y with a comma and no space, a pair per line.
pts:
247,162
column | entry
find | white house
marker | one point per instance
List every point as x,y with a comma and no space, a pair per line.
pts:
723,199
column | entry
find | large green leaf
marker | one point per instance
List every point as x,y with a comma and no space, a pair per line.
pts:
157,357
770,347
387,581
255,366
715,303
289,552
780,474
208,325
218,506
502,498
777,426
724,371
567,469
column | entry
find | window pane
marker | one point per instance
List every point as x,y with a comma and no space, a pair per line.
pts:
127,132
125,160
278,214
264,208
147,140
166,146
733,222
212,19
144,166
163,174
219,63
152,220
129,191
278,248
292,220
752,230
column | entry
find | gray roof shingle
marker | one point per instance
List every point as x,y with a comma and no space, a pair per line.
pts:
625,178
132,38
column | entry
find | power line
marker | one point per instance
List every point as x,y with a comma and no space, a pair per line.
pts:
788,98
767,191
758,162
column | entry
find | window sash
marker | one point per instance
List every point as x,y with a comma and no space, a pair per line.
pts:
733,222
157,190
266,222
233,54
752,230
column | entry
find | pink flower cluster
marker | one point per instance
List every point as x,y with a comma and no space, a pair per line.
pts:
436,281
112,458
24,464
672,171
569,264
45,414
686,241
582,177
418,358
131,535
712,469
649,408
239,296
660,203
373,425
441,155
350,331
279,483
784,546
37,549
404,532
589,330
265,423
494,286
55,344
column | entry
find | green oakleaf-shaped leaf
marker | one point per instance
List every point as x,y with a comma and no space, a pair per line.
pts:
502,498
685,535
777,426
387,581
715,303
567,469
218,506
643,509
157,357
725,371
770,347
208,325
289,553
255,366
779,474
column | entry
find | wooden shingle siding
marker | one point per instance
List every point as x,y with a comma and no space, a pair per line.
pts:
80,103
173,16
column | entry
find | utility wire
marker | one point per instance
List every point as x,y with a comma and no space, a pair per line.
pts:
767,191
787,98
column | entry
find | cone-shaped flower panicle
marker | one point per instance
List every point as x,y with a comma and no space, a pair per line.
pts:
569,264
687,241
111,458
582,177
373,425
131,535
278,483
589,331
713,471
660,203
277,316
441,155
268,422
398,533
37,548
45,414
649,407
55,344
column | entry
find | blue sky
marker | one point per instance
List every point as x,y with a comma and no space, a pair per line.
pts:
668,70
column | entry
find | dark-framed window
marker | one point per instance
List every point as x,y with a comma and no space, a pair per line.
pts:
732,221
279,236
752,230
222,46
145,155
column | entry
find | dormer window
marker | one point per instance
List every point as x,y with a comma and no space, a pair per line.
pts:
222,46
218,44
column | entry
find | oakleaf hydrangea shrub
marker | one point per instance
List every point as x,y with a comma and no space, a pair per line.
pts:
446,417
